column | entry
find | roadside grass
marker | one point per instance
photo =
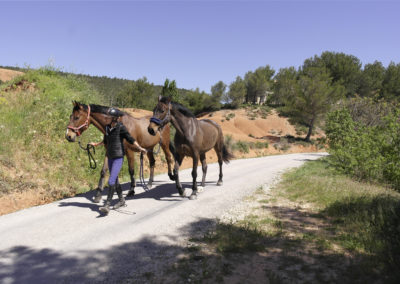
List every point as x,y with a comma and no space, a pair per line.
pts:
34,114
316,225
364,217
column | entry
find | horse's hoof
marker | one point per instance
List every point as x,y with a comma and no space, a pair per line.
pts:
193,197
131,193
149,185
200,188
171,176
182,192
219,183
97,197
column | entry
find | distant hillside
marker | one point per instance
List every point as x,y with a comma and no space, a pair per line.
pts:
107,87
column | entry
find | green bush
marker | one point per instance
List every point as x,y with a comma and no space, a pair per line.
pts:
242,147
367,152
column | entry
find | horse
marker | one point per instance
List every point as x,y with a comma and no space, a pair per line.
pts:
193,138
84,115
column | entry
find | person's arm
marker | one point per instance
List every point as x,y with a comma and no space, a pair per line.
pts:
125,134
98,143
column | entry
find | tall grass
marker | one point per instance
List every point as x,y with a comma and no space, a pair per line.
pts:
34,113
365,217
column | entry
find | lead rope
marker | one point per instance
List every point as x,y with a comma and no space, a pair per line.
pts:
141,171
88,148
141,174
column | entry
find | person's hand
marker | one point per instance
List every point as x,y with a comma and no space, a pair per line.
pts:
94,144
143,150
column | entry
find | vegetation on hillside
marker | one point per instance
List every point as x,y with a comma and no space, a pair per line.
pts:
34,113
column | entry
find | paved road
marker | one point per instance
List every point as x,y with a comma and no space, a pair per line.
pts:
70,242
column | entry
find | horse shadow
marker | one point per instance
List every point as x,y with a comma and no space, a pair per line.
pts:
160,191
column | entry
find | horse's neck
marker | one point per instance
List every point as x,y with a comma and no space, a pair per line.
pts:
184,125
98,121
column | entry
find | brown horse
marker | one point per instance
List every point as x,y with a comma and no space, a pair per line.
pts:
84,115
193,138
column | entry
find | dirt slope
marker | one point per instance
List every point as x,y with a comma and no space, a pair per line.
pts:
7,75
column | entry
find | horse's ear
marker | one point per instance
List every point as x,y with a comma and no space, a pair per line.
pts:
74,103
159,98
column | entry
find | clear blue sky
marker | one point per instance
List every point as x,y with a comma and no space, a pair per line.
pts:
196,43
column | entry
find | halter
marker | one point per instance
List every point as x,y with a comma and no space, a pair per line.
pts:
163,122
86,123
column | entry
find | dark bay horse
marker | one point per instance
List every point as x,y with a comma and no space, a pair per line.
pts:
84,115
193,138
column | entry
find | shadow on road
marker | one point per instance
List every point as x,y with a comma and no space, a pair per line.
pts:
273,258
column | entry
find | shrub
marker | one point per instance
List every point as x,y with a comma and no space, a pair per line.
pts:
367,152
242,147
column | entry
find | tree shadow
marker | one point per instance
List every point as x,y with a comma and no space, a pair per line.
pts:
215,253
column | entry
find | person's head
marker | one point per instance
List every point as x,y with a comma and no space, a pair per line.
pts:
115,114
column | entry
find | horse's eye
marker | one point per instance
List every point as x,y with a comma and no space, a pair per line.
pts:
76,117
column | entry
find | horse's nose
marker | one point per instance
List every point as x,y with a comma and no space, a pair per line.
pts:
151,131
69,138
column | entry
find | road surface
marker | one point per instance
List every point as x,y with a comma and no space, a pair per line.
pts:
68,241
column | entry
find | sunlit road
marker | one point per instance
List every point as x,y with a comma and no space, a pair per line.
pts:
70,242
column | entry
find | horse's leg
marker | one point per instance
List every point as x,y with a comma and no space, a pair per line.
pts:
169,157
204,168
218,150
131,164
152,162
100,187
178,162
194,176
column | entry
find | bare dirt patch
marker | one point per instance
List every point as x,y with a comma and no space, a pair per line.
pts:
7,75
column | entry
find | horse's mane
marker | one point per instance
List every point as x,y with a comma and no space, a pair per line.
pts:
183,110
97,108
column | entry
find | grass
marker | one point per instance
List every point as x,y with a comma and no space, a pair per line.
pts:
316,225
365,218
34,112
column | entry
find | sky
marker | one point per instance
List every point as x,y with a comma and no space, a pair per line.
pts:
196,43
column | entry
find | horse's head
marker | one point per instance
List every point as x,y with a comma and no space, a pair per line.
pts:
78,122
161,115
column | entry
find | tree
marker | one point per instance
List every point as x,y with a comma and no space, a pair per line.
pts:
258,83
391,82
344,69
138,94
237,92
194,100
285,85
314,96
170,90
217,93
371,79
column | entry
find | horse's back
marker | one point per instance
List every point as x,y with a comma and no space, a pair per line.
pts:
211,132
137,127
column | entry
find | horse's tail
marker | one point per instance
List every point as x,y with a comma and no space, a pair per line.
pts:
226,155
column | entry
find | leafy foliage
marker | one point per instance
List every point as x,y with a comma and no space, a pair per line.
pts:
258,83
311,96
138,94
367,151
